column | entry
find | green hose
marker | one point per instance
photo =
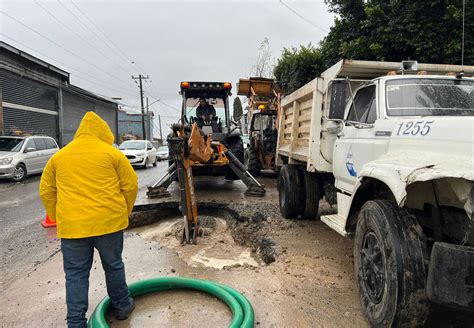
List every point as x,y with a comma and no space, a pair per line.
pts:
242,311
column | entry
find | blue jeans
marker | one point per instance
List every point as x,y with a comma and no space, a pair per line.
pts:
78,255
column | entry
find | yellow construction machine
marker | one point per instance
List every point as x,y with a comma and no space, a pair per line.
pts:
263,97
202,147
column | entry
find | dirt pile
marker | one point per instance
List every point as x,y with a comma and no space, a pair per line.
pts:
254,232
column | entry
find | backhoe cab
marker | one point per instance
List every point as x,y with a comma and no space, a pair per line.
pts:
216,95
218,124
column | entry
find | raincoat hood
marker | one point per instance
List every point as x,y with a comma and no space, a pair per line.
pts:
93,125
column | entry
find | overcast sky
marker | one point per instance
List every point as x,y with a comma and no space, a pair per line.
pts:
170,41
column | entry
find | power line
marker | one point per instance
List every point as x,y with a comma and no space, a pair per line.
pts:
162,101
170,106
79,36
302,17
60,46
166,104
120,51
89,77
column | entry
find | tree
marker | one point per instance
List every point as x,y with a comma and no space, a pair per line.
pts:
237,109
263,66
296,67
427,31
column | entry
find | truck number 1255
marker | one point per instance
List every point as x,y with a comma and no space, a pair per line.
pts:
414,128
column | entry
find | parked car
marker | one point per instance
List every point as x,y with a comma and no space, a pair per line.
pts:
139,152
162,153
22,156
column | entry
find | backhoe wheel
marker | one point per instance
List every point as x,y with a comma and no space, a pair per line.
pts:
289,192
389,253
310,194
236,146
251,162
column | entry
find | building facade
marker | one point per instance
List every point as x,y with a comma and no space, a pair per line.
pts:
37,99
131,124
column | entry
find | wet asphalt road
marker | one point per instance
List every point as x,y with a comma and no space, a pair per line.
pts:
24,243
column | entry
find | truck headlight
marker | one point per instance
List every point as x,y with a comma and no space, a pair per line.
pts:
6,161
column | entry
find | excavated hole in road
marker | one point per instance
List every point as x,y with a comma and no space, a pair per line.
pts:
228,238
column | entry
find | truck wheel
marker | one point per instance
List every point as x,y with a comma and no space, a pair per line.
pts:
251,162
289,191
389,253
236,146
309,194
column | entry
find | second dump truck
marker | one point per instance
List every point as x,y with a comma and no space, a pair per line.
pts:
392,145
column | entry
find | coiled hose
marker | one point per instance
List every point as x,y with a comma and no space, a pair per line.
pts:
242,311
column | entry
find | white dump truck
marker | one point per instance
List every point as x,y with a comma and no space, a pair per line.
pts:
392,144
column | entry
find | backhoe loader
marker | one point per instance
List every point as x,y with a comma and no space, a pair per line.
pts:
198,147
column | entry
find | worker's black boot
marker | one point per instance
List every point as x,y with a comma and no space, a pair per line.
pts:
122,315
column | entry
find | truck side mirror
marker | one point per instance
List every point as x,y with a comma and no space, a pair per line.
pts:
334,126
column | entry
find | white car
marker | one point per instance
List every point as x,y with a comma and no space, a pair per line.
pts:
162,153
22,156
139,152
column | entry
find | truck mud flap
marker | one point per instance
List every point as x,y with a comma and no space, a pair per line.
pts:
451,276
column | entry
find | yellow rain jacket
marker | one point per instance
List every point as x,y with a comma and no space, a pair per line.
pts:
89,187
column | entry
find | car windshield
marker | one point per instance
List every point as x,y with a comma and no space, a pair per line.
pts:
139,145
420,97
11,144
163,149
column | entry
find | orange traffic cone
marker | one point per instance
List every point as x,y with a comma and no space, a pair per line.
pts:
47,223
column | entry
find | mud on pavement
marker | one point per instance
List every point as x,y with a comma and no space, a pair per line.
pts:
295,273
298,273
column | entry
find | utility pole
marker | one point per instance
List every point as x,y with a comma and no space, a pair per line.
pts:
161,135
147,120
140,78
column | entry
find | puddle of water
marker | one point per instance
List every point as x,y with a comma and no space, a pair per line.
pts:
216,249
219,263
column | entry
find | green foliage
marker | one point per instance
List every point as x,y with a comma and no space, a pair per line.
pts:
427,31
296,67
238,111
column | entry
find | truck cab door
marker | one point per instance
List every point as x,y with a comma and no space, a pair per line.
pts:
357,144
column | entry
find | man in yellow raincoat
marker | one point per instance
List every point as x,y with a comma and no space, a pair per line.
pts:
89,189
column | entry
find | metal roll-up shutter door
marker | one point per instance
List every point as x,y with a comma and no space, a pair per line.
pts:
17,122
74,109
29,107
